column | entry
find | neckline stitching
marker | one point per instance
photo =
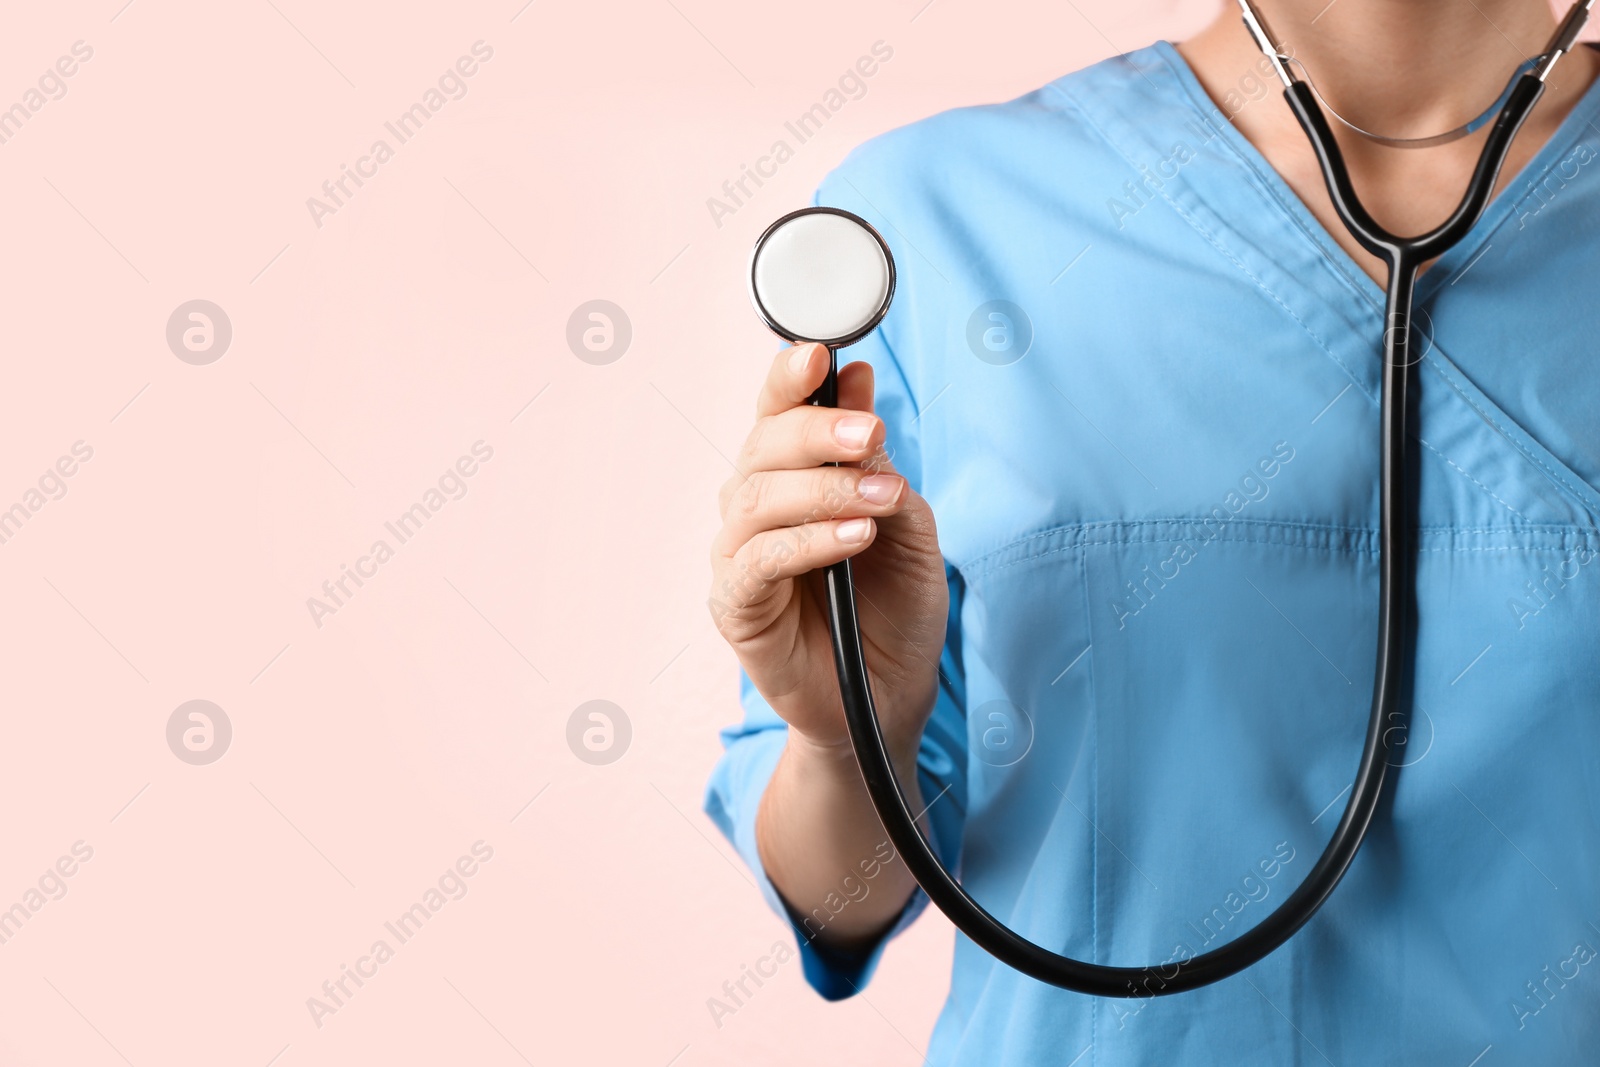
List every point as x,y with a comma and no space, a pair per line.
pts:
1495,216
1211,238
1280,193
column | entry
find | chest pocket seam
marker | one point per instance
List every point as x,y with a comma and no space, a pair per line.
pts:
1579,496
1527,538
1471,478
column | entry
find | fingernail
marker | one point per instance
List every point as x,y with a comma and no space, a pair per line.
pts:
800,358
880,488
854,531
854,430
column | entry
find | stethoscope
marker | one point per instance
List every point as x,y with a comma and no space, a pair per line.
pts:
825,276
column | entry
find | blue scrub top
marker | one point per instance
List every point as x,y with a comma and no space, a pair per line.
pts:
1138,382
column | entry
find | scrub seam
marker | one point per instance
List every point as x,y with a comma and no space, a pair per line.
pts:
1216,243
1271,184
1294,216
1176,520
1222,250
985,571
1327,530
1581,111
1094,802
975,570
1469,476
1579,495
1504,206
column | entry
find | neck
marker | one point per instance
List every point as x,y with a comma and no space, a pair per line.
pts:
1402,68
1410,67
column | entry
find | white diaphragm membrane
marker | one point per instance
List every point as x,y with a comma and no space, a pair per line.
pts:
821,277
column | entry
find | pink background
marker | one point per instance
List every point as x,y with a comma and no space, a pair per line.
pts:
368,354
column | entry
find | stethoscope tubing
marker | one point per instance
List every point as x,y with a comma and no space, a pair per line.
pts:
1396,490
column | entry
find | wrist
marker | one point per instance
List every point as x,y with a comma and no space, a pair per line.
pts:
832,756
820,755
812,760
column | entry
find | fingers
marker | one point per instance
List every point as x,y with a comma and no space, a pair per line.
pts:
795,374
770,500
787,513
809,437
856,386
765,561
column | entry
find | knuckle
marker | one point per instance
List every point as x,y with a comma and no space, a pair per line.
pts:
729,597
819,432
832,489
751,498
881,461
765,556
740,578
740,563
763,445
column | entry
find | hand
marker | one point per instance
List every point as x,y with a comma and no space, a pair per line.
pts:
786,515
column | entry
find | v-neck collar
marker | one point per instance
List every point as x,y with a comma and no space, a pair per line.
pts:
1500,208
1228,192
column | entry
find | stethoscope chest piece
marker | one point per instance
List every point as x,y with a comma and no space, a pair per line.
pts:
821,275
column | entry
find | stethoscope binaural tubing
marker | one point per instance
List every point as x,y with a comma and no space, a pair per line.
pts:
1403,257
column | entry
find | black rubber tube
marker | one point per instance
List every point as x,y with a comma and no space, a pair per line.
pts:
1404,256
